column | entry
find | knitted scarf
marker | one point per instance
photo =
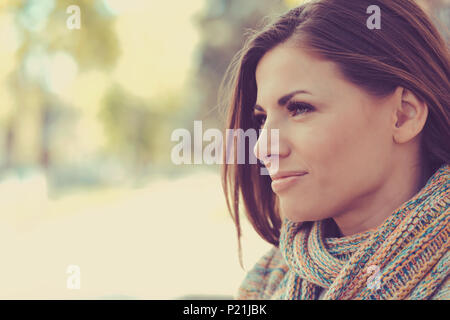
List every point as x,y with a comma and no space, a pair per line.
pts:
383,263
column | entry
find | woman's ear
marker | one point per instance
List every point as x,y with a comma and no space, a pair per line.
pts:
409,116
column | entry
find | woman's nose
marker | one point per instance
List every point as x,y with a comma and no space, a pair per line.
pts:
267,148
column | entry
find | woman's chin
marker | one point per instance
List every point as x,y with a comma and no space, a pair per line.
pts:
292,212
296,216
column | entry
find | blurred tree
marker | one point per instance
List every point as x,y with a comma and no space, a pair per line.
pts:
222,28
49,55
132,126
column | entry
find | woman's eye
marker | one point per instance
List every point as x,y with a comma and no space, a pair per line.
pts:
295,108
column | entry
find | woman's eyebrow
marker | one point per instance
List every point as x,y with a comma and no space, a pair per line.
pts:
284,99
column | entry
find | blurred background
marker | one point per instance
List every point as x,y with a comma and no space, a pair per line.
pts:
86,118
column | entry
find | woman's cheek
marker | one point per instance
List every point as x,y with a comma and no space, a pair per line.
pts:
325,144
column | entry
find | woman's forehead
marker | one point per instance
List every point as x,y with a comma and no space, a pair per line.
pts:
285,69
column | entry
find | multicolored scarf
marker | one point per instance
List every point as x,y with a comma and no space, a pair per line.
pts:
404,258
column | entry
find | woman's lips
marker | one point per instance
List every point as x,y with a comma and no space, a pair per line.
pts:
283,183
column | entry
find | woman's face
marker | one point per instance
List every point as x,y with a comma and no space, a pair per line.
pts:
338,134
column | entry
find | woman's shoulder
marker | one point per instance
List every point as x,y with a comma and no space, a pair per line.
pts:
264,280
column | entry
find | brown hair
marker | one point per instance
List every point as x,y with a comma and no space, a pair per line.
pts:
407,51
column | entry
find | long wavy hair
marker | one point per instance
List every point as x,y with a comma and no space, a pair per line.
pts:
407,51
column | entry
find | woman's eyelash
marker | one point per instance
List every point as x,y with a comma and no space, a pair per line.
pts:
295,106
292,107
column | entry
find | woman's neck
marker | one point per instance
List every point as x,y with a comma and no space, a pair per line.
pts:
372,209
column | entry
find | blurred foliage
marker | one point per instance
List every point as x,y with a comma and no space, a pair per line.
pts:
95,45
131,126
37,109
230,19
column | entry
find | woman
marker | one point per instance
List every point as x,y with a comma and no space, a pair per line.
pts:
357,206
